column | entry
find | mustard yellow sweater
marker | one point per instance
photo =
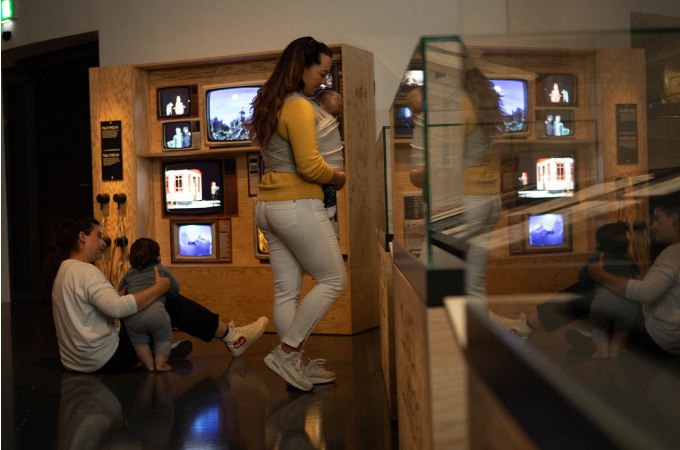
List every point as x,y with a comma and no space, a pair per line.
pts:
297,126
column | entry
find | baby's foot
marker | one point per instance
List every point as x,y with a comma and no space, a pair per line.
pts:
165,367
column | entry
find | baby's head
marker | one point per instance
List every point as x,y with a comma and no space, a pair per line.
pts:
330,100
144,252
613,238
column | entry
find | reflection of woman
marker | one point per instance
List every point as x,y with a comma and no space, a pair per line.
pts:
290,210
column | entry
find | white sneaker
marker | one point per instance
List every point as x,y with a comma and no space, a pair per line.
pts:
317,373
240,338
289,367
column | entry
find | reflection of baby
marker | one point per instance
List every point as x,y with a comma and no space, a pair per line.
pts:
179,106
329,142
555,95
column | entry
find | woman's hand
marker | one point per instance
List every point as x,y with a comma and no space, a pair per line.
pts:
338,179
595,270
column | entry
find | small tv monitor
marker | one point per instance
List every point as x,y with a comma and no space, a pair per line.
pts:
514,103
194,241
176,101
178,135
547,175
403,121
554,123
546,230
332,79
193,187
227,109
556,89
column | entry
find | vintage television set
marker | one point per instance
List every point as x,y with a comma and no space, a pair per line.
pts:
554,123
177,101
540,233
556,89
226,110
200,240
544,175
193,187
403,121
515,104
181,135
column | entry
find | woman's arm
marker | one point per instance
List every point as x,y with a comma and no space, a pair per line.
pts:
104,297
147,296
614,283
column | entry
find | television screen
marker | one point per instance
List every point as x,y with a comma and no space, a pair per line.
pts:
193,187
556,89
514,103
554,123
413,78
403,121
175,101
227,109
544,176
195,240
177,135
546,230
261,247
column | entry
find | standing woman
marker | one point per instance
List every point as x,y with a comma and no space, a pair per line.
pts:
290,210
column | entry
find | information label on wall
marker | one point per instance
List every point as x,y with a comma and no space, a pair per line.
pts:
112,151
626,134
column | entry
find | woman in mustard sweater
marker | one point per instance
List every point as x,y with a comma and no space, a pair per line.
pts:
290,210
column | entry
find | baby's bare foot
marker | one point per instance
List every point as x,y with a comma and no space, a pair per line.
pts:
165,367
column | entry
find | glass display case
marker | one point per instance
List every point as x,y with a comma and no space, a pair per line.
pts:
522,158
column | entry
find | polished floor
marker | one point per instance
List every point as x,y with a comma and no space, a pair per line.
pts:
209,401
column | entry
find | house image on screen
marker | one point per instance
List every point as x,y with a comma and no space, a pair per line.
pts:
555,175
183,186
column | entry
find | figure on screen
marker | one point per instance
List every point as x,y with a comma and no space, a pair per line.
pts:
555,95
549,126
565,96
214,189
177,138
560,129
168,108
179,106
186,137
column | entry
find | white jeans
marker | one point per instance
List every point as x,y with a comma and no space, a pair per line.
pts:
482,212
301,238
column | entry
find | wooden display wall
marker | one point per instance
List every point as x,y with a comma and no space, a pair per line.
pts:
241,290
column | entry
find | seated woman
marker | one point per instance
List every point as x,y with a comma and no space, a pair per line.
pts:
658,330
85,304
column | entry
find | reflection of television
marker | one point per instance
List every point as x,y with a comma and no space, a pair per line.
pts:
556,89
180,135
545,175
554,123
227,109
413,78
403,121
193,187
261,247
200,240
514,103
332,79
177,101
537,233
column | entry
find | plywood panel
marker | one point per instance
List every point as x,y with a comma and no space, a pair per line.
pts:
387,333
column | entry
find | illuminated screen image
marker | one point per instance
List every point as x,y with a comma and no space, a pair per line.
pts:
514,105
546,230
227,110
174,101
544,177
193,187
177,135
195,240
556,89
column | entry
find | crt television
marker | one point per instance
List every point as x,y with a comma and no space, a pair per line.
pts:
193,187
556,89
545,175
177,101
227,109
514,103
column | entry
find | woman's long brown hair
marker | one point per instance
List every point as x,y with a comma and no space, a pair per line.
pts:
300,54
486,100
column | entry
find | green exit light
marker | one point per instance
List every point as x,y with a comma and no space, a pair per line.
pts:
7,9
